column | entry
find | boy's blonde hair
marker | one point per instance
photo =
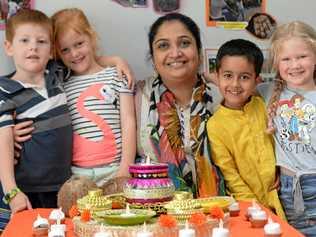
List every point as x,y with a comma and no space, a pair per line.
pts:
76,20
295,29
27,16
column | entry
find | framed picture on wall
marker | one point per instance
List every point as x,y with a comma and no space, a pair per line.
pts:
210,60
140,3
132,3
232,14
11,7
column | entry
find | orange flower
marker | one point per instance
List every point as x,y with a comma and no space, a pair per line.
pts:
117,205
167,221
198,219
217,212
73,211
85,215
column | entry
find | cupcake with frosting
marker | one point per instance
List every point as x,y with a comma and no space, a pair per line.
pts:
234,209
272,229
40,227
253,208
56,215
258,219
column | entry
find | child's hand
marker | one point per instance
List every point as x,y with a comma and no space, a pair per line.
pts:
19,203
122,68
21,132
276,184
122,172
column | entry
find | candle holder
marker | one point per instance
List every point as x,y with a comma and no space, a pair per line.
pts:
162,231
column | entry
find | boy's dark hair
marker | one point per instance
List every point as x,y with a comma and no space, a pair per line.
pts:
244,48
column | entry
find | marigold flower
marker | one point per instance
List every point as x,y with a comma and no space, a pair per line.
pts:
167,221
85,215
73,211
198,219
217,212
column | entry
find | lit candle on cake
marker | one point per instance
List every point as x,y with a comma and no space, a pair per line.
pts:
220,231
127,212
187,232
145,232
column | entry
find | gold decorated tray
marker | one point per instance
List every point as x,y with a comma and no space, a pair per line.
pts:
94,201
220,201
88,229
121,217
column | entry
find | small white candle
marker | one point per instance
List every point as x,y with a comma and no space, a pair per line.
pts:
56,232
127,212
145,232
187,232
40,222
220,231
254,208
61,227
272,228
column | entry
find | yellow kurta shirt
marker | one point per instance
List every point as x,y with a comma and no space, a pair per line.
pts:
244,152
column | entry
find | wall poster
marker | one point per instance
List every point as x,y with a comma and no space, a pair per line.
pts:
232,14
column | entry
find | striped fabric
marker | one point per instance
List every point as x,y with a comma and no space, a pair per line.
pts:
49,151
94,105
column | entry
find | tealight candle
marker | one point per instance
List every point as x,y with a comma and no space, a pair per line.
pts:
145,232
258,219
254,208
272,229
56,233
187,232
55,215
234,209
220,231
127,212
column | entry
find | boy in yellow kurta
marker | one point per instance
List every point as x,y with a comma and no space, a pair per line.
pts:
240,146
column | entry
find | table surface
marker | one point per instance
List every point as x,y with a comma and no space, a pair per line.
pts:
21,224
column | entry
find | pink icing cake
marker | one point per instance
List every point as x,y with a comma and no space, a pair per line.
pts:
149,184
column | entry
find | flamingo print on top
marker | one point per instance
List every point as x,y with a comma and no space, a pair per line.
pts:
94,104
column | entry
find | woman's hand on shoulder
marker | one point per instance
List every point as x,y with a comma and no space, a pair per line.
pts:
122,66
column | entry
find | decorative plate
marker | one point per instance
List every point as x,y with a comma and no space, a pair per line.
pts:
219,201
119,216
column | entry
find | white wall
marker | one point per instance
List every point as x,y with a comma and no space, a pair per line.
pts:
123,31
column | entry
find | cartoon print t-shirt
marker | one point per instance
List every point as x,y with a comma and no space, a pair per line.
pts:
295,122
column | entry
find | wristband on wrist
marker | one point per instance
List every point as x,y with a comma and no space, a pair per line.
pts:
10,195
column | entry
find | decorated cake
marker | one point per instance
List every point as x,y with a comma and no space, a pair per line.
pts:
149,184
